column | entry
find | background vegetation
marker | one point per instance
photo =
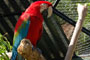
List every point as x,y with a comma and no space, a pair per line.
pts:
4,47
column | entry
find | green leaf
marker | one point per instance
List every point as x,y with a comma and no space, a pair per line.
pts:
4,46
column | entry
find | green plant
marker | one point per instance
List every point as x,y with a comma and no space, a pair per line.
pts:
4,47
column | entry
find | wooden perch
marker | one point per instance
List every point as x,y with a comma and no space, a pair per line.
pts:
82,9
25,49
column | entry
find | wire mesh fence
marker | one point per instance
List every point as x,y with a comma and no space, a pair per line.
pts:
69,8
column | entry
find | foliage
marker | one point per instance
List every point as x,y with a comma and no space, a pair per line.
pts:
4,47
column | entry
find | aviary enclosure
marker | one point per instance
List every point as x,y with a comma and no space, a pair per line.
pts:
54,42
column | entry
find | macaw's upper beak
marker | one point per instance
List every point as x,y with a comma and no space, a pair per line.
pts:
50,11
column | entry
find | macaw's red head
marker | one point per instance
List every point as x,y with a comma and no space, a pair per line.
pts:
38,7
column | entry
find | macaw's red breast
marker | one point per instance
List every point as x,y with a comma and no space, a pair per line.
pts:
35,30
36,21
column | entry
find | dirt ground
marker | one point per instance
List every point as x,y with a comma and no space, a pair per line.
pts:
68,30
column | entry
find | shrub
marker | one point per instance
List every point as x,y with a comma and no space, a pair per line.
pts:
4,47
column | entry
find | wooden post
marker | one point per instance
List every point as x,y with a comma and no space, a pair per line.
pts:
25,49
82,9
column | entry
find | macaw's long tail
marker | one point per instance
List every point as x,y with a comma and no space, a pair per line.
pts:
14,54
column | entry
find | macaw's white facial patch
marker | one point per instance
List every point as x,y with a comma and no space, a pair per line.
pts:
43,7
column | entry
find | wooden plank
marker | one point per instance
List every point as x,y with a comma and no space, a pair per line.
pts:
6,10
51,46
51,37
45,51
7,28
2,30
15,6
48,41
20,5
57,34
25,3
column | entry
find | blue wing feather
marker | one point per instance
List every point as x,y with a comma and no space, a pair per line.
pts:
22,34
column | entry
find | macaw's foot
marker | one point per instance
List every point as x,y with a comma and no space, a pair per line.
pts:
27,50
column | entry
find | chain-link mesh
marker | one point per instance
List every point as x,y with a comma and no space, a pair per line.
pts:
69,8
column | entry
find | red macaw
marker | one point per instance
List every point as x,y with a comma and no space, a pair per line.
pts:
30,24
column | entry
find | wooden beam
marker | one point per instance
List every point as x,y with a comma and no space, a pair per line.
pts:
82,9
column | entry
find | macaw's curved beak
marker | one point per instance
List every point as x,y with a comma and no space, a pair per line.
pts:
45,7
50,11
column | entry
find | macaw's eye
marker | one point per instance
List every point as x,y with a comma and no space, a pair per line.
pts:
43,7
47,12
